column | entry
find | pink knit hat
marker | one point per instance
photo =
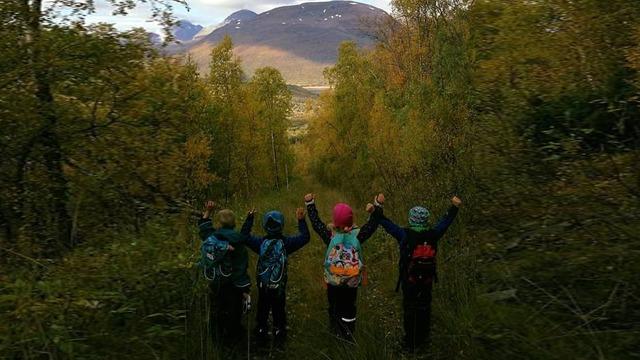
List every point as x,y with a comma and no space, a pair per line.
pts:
343,217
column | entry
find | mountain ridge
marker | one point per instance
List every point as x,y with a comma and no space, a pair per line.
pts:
237,16
185,30
299,40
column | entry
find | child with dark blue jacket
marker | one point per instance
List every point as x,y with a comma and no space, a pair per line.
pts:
418,245
273,249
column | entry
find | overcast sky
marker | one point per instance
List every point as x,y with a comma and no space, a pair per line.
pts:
202,12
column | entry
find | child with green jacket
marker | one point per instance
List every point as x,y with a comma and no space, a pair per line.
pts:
229,292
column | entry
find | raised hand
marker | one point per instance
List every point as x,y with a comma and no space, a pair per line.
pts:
300,213
309,197
456,201
370,208
208,207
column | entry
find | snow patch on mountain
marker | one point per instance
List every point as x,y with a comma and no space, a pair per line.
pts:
237,17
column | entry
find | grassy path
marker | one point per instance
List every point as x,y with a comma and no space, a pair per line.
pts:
379,311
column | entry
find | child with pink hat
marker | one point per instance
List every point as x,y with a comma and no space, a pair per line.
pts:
343,265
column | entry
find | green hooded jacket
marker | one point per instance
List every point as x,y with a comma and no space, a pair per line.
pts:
239,256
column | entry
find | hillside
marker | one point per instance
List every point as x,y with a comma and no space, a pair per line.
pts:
300,101
299,40
237,17
185,30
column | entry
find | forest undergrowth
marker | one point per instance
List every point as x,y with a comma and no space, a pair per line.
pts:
527,110
501,294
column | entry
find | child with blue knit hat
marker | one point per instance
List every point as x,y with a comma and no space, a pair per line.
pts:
273,250
418,247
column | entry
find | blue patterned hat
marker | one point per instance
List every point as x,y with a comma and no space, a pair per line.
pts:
418,216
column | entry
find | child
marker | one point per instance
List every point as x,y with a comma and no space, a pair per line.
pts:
343,263
229,283
418,246
274,249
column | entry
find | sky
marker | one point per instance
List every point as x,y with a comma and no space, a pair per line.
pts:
201,12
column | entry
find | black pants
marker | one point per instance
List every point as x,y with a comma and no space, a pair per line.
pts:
416,303
342,310
272,301
225,312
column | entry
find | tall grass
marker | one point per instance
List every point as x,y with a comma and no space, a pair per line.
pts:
140,296
379,327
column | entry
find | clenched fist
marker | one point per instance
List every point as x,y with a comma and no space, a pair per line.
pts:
210,205
300,213
370,208
456,201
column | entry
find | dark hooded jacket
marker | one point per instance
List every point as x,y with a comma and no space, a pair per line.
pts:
431,235
239,257
291,243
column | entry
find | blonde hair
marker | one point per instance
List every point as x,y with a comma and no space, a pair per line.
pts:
226,219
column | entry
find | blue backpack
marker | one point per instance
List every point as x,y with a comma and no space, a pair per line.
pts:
214,260
343,265
272,264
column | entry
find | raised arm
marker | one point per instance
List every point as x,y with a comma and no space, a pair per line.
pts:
371,225
389,226
392,229
253,242
205,225
296,242
446,221
317,224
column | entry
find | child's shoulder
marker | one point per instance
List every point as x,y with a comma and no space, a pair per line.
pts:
231,235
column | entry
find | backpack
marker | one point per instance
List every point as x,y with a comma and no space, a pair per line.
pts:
343,265
418,263
214,260
422,265
272,264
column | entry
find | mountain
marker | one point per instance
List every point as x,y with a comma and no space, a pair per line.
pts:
299,40
237,17
185,30
154,38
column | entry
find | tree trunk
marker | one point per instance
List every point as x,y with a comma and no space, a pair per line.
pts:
227,178
275,161
286,173
5,221
248,172
59,188
53,157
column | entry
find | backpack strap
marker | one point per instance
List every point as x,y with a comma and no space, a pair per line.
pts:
406,249
204,272
220,236
272,244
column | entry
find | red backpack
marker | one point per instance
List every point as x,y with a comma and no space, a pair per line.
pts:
422,265
418,259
